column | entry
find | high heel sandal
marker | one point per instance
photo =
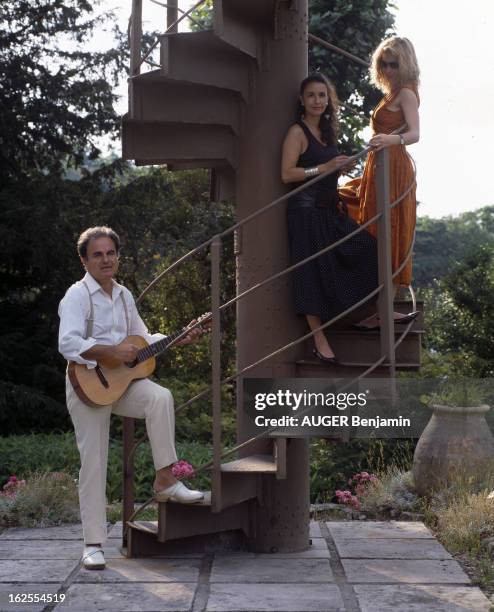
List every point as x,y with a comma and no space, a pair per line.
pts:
321,357
411,316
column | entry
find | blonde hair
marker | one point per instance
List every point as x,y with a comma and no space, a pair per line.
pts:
401,49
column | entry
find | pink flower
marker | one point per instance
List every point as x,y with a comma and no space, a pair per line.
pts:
346,497
362,478
58,475
13,485
182,470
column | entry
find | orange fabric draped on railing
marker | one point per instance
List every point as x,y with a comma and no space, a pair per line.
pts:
360,194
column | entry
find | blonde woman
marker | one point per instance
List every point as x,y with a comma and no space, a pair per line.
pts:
394,70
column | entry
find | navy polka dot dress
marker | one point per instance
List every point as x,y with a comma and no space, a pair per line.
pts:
335,280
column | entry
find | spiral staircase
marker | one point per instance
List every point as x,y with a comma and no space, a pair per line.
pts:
190,112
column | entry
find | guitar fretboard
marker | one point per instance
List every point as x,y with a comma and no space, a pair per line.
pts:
158,347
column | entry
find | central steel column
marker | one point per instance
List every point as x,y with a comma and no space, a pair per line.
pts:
266,319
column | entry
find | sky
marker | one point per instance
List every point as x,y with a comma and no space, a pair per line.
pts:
453,42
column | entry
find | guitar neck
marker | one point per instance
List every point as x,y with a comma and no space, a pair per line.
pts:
158,347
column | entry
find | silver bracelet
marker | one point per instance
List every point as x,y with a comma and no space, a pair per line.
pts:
311,171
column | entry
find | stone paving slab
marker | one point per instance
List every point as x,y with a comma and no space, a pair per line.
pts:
7,589
115,531
113,552
405,571
40,549
377,529
317,550
246,570
315,530
43,549
142,597
274,598
420,598
143,570
31,570
62,532
392,548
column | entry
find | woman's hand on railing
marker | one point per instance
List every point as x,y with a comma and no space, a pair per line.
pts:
379,141
333,164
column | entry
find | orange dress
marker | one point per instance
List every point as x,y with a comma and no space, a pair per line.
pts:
360,194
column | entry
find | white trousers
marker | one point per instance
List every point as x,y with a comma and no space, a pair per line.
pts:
144,399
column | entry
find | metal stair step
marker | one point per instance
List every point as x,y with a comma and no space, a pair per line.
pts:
315,363
184,520
352,346
153,142
203,58
309,368
253,464
154,97
149,527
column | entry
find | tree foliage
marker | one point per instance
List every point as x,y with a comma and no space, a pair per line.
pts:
56,101
57,96
443,243
459,314
356,27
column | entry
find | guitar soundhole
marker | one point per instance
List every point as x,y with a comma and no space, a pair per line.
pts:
131,364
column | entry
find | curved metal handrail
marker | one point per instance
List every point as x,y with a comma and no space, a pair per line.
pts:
177,8
331,47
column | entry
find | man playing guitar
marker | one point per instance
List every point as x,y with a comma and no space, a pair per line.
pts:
96,316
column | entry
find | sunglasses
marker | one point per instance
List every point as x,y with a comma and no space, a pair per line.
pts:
384,65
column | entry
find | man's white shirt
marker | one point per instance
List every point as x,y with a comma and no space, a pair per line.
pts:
109,325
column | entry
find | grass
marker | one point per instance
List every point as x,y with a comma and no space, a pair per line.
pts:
462,517
114,513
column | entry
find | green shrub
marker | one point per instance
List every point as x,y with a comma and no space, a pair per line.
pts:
26,455
392,492
331,463
46,499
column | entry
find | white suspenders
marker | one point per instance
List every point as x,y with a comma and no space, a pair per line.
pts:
90,320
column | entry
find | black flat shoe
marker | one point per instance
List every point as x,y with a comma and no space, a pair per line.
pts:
411,316
321,357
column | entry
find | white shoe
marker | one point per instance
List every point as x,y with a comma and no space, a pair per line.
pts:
178,493
93,558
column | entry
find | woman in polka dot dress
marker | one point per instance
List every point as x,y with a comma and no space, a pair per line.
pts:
334,281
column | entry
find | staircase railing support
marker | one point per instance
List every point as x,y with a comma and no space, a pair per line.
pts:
386,296
171,15
128,473
216,371
135,37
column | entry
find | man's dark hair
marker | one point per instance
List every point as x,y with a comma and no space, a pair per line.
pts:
93,233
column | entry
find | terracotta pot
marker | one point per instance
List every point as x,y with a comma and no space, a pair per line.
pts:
455,439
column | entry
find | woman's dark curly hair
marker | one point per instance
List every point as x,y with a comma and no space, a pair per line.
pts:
329,121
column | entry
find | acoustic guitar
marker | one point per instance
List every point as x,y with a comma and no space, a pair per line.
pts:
108,381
